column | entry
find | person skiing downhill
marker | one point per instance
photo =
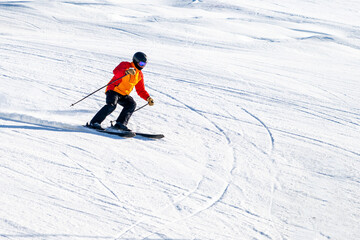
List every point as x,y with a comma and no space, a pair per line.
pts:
117,92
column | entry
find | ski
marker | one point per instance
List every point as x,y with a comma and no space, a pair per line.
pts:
126,134
117,133
145,135
149,135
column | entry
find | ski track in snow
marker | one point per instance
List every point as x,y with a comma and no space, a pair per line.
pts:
258,102
214,199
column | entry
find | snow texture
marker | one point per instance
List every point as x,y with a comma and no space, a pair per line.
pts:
259,102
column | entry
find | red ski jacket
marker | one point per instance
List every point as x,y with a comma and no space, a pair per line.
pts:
125,85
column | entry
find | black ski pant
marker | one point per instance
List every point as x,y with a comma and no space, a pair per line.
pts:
113,98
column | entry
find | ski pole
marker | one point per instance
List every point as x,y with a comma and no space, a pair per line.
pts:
141,107
98,90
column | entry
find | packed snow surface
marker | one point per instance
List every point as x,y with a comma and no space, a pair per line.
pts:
259,102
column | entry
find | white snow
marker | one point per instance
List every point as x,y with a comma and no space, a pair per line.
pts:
259,102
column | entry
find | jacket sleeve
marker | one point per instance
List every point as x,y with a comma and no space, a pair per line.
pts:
140,89
119,71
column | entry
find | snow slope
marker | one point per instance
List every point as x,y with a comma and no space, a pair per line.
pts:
259,102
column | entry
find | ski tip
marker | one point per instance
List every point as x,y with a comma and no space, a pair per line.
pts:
152,136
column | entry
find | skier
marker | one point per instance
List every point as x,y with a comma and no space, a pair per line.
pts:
117,92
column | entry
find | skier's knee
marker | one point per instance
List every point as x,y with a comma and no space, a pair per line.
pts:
134,106
131,105
111,107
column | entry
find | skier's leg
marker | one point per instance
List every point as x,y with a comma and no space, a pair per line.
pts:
111,101
129,107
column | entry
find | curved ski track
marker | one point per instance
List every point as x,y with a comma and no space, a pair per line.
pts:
217,199
214,199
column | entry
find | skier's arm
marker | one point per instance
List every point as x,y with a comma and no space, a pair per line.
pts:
120,69
140,89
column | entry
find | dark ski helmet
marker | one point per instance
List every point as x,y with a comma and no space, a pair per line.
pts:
140,60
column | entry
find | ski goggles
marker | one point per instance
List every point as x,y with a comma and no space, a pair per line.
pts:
142,64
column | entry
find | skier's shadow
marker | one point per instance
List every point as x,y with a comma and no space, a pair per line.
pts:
46,128
34,126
